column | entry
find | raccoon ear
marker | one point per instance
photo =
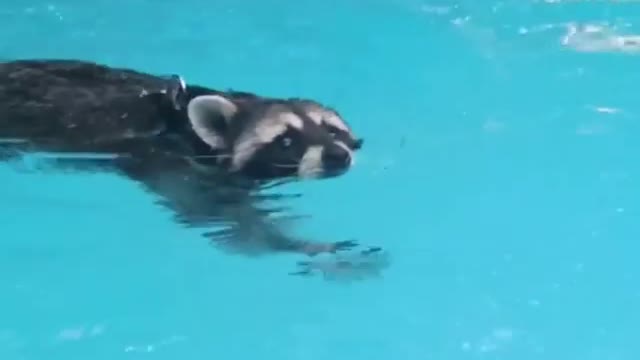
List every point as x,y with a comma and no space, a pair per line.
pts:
209,116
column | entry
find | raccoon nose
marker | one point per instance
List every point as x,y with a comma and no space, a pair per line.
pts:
336,157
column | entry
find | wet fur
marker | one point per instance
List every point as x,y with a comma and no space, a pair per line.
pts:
75,106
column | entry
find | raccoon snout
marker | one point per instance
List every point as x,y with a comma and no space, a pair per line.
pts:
336,157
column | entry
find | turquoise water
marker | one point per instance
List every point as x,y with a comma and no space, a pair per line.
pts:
499,171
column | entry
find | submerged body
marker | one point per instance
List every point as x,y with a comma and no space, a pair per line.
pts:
190,145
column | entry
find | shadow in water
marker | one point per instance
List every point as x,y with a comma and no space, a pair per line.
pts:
234,215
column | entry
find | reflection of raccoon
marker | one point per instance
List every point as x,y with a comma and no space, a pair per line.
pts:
202,151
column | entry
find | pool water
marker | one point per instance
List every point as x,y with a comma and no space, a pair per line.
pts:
499,171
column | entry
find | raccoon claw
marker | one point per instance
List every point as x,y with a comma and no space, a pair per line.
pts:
304,269
343,245
313,249
371,250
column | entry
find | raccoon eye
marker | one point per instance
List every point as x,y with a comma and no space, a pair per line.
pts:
286,141
333,133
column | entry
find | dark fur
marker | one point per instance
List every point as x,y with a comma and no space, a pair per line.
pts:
74,106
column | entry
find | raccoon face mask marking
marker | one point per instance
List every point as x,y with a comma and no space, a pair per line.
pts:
287,143
331,121
271,139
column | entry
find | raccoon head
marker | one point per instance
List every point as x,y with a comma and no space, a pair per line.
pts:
269,139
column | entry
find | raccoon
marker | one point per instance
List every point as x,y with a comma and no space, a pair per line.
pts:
205,154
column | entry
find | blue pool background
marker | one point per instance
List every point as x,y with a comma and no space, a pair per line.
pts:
509,203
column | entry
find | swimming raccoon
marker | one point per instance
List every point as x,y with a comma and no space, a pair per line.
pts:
205,153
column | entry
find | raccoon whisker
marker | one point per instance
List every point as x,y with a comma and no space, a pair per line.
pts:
286,166
311,172
277,183
220,156
315,170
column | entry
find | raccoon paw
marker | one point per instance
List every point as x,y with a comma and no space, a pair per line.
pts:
371,250
349,266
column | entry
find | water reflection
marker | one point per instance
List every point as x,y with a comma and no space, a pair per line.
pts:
235,216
